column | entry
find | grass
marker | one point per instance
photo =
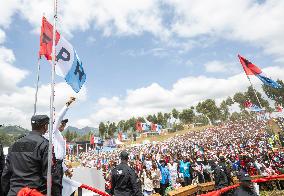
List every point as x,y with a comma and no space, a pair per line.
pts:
164,136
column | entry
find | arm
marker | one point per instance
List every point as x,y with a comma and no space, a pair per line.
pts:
60,117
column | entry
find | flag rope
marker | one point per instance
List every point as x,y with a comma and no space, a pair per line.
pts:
37,83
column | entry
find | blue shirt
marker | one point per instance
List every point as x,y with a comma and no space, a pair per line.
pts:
166,177
184,168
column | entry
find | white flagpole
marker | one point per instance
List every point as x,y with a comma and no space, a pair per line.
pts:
38,70
49,178
254,92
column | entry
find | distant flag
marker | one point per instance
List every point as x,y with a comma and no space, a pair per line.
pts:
251,69
255,108
247,104
68,64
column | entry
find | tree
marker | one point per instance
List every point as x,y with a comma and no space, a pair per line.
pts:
160,119
229,101
150,118
209,109
102,129
167,116
111,129
224,111
200,120
240,98
121,125
141,119
250,95
175,113
155,119
186,116
132,123
68,136
275,94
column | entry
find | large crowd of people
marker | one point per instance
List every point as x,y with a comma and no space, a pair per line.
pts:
213,154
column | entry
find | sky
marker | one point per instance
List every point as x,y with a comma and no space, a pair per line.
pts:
141,57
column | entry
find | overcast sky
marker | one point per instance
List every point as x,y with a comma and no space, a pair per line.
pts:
140,56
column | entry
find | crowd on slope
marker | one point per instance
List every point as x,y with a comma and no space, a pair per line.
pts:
197,157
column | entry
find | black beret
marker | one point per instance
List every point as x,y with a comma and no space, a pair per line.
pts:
124,155
64,121
40,119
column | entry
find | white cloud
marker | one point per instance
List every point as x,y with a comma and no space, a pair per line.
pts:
2,36
184,93
248,21
16,102
220,67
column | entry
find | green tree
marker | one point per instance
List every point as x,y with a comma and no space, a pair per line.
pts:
187,116
240,98
102,129
112,129
155,119
275,94
149,118
224,111
229,101
160,119
175,113
209,109
250,95
141,119
200,120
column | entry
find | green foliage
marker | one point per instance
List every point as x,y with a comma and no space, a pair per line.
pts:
276,95
250,95
175,113
111,129
209,109
177,127
200,120
6,140
186,116
102,129
224,111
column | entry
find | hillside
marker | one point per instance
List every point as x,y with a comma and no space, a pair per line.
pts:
82,131
13,130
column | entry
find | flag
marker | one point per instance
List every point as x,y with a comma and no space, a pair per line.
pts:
92,139
68,64
247,104
251,69
255,108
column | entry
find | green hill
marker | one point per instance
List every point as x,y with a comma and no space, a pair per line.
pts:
8,134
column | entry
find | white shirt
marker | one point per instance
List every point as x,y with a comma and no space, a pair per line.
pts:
59,144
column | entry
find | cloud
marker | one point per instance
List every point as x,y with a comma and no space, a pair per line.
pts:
184,93
17,102
241,20
220,67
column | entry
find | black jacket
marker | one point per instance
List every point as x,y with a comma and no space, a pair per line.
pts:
26,165
125,182
2,164
243,192
221,179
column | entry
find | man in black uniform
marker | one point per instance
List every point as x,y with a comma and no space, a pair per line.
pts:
220,176
246,186
26,163
124,180
2,163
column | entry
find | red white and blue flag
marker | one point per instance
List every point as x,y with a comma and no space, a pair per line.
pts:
68,65
251,69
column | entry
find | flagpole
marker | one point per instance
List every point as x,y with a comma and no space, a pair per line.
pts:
37,82
49,178
254,91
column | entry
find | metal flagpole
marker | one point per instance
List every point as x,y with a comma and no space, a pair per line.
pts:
38,70
254,91
49,179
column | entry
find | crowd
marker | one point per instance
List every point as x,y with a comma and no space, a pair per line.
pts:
213,154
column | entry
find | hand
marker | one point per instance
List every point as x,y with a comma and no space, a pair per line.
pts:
71,100
69,173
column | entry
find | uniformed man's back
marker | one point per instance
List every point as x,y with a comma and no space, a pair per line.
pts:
124,180
28,161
